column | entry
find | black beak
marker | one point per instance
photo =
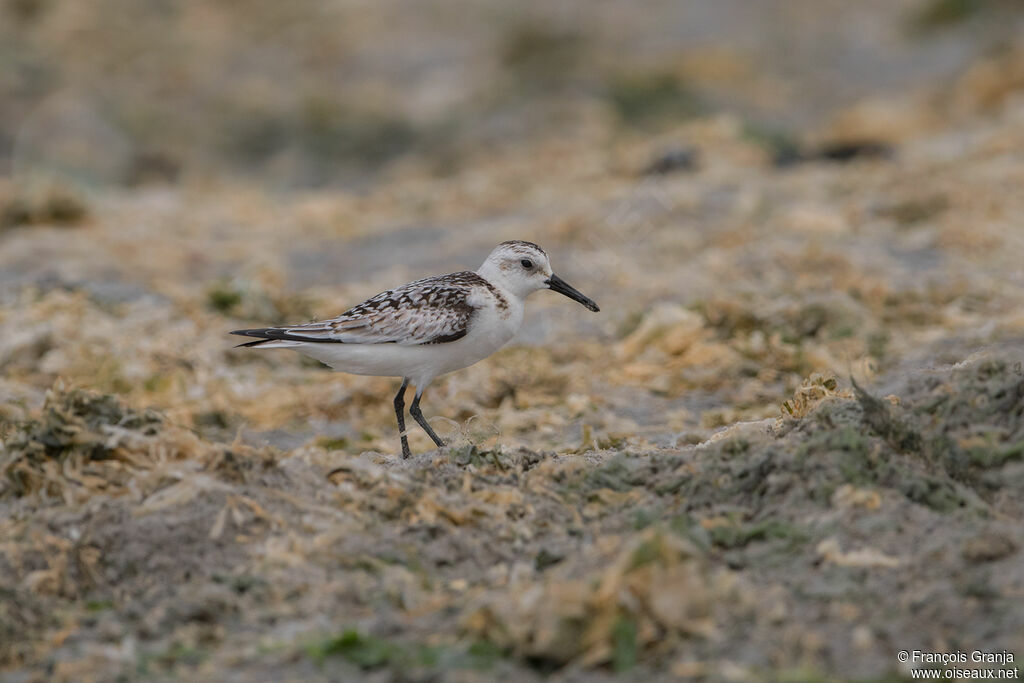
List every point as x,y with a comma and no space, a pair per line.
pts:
559,285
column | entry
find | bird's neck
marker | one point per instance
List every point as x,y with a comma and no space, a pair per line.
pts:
496,277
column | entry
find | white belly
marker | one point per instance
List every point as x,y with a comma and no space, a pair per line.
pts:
421,363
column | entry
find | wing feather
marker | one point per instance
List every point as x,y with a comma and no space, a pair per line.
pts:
434,310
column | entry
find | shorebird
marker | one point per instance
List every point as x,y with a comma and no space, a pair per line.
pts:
428,327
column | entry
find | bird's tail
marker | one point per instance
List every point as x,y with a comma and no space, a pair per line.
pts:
264,341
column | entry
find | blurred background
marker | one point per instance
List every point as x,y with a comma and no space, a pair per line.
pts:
798,186
770,200
314,94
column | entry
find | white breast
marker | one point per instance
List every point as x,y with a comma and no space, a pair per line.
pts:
494,323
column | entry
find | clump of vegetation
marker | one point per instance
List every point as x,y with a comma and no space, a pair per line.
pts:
811,392
672,160
243,298
339,443
49,205
781,145
26,11
223,298
831,318
620,473
539,56
370,652
74,420
473,455
653,98
729,536
944,13
373,653
917,210
73,425
606,610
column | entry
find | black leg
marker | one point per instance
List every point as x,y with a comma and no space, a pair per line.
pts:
400,414
414,410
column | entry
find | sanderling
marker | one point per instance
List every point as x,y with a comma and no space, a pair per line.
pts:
428,327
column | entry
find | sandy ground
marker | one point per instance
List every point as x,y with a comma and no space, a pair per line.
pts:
789,446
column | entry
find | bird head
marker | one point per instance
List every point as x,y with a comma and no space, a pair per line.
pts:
523,268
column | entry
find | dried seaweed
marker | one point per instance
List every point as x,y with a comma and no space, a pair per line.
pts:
685,486
75,427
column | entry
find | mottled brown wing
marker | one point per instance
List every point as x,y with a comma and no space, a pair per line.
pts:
431,311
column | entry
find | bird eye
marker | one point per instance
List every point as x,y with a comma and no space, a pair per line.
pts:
527,263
